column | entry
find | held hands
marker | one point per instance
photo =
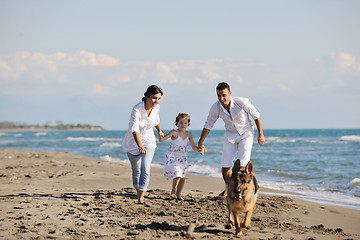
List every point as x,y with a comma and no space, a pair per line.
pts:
161,135
202,149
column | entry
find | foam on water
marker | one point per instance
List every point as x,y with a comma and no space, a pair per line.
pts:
315,194
40,134
111,159
355,183
291,140
353,138
279,173
110,144
91,139
204,170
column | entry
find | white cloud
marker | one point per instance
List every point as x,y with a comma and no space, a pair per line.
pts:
162,73
49,67
55,77
92,59
100,90
85,67
341,63
67,71
5,70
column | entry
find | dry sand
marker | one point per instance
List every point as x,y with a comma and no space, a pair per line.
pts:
61,195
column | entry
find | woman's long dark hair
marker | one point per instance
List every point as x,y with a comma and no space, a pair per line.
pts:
152,90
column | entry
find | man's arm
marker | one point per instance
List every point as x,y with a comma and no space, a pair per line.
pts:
203,135
261,137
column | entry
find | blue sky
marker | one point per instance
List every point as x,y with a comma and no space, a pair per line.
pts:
91,61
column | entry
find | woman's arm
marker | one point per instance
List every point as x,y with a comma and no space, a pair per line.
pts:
160,132
136,136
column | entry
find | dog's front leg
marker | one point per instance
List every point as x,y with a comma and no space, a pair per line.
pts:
237,224
230,221
247,221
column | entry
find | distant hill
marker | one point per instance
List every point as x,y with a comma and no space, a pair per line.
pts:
48,126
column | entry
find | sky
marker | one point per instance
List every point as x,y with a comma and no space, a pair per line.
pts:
91,61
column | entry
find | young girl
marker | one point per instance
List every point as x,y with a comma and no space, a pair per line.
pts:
176,157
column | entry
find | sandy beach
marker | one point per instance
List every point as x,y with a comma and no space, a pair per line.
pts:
60,195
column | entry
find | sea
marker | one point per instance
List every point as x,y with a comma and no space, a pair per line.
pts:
319,165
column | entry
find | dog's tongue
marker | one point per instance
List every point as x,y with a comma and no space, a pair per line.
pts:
240,196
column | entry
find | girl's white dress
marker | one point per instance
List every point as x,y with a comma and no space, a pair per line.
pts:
176,158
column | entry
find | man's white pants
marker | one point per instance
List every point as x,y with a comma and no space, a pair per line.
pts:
241,145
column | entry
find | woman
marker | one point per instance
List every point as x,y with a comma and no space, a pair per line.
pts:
140,140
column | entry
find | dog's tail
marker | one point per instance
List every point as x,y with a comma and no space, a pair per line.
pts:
256,184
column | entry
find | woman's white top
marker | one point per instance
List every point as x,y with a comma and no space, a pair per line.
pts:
143,124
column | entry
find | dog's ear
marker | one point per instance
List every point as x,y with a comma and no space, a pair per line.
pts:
250,168
236,166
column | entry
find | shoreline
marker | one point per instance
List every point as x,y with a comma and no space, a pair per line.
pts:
266,190
270,191
49,129
65,195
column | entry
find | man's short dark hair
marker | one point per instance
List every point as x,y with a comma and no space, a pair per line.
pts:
222,86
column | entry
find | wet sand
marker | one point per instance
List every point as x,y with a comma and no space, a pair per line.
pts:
60,195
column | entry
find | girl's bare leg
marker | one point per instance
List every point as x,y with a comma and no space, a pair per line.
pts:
180,188
175,185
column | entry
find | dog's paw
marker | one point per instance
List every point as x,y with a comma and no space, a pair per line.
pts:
238,232
228,226
247,226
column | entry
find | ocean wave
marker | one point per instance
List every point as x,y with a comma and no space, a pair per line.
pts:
90,139
279,140
4,142
10,134
204,170
292,140
40,134
314,193
119,160
278,173
355,183
287,186
353,138
110,144
111,159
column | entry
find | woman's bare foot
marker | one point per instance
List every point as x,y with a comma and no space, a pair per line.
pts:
179,197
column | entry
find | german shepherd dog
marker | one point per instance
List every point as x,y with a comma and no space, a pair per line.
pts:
242,191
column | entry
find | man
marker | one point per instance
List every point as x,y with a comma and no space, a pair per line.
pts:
234,111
